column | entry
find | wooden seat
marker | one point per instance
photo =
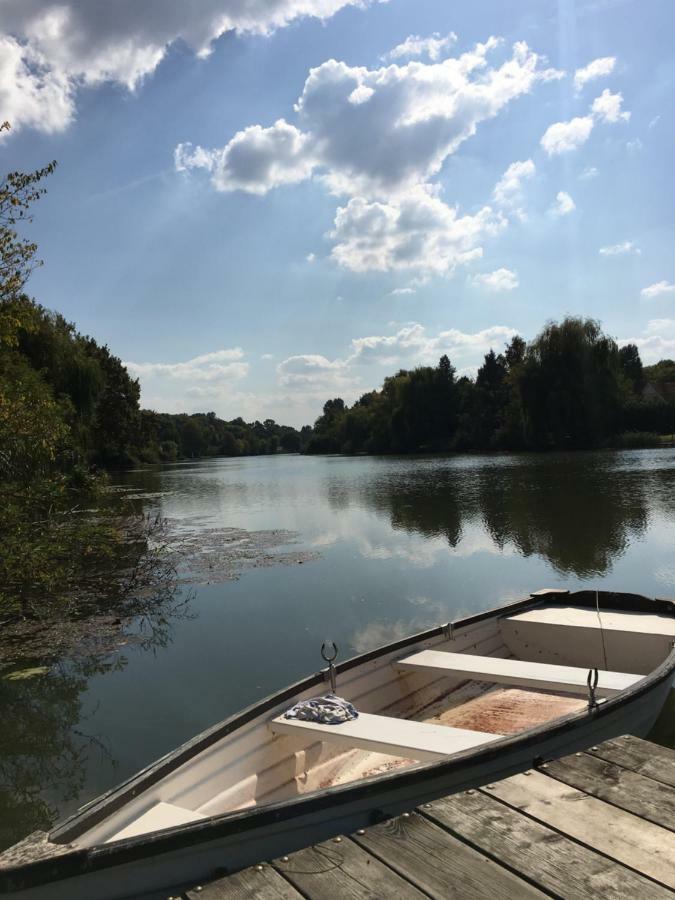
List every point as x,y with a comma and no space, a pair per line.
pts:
382,734
565,679
161,815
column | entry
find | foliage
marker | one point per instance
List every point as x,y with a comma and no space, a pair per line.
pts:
571,387
166,437
661,372
18,190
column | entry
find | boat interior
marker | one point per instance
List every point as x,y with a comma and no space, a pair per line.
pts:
452,692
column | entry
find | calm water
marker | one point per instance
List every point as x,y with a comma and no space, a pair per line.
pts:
402,543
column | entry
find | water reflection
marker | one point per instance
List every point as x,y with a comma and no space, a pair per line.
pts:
578,512
402,544
580,519
43,746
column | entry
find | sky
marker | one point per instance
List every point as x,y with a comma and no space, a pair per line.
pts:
262,204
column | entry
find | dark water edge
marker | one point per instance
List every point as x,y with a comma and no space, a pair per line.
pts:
358,549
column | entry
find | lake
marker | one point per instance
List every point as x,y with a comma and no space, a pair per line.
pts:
379,547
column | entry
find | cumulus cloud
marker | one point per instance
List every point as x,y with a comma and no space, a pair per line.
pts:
376,137
656,342
255,160
371,132
434,47
563,205
508,189
413,231
221,364
619,249
588,173
596,69
607,107
314,370
411,345
658,289
208,381
49,50
562,137
499,280
508,192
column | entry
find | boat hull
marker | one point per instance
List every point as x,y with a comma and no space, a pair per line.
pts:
163,862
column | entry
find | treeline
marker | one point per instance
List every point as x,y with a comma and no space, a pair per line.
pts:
57,381
572,387
166,437
69,410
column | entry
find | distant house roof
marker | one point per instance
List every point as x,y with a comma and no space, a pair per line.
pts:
659,392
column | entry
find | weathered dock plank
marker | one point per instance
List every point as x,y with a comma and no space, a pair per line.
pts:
598,824
344,870
621,787
256,883
621,835
439,864
540,854
640,757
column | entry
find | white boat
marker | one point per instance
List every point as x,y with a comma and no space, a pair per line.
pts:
455,707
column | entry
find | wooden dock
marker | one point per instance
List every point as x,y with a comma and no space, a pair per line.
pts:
598,824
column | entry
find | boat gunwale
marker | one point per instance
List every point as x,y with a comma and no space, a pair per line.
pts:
128,850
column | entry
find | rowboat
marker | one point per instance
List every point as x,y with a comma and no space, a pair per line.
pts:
454,707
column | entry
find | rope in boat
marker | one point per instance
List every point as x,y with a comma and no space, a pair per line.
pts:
602,632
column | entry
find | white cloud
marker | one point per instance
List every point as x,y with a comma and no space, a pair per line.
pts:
414,45
255,160
311,257
634,146
499,280
588,173
607,107
596,69
619,249
376,136
563,205
216,366
413,346
561,137
656,342
205,382
401,291
313,370
508,190
657,290
267,356
414,231
654,121
48,50
29,95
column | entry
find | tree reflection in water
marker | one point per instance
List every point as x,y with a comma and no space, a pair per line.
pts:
44,745
579,512
579,517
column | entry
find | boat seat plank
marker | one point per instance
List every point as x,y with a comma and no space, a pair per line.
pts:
610,619
161,815
382,734
566,679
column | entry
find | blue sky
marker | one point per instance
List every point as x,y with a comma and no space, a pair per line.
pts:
260,206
